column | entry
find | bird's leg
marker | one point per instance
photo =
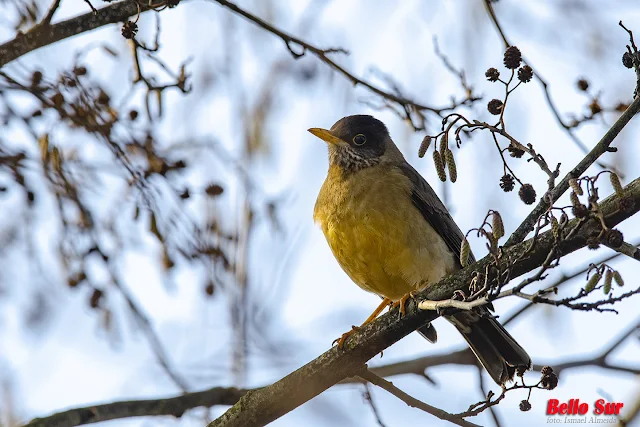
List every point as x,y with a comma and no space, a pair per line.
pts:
385,302
402,302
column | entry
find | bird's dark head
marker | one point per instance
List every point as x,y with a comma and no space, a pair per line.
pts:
355,142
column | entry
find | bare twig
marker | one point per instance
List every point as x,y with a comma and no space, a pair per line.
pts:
93,9
374,408
603,146
322,55
492,410
49,16
367,375
545,86
601,359
565,278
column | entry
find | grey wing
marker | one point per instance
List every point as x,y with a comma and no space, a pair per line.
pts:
434,211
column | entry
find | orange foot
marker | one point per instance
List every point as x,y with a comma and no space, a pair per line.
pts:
385,302
402,302
344,336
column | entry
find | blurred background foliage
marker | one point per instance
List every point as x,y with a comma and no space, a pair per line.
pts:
156,233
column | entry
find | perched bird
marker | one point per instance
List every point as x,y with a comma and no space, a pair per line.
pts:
393,236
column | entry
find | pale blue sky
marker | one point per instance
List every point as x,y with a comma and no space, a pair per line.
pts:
73,362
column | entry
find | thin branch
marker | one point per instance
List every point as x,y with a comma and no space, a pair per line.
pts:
93,9
559,282
545,86
177,405
603,146
627,249
41,36
263,406
174,406
321,54
152,337
367,375
49,16
601,359
374,408
492,410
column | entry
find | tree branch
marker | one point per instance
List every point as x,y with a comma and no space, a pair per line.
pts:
262,406
554,194
44,35
321,54
174,406
545,86
177,405
367,375
627,249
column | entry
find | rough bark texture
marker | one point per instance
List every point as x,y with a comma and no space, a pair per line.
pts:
260,407
174,406
44,35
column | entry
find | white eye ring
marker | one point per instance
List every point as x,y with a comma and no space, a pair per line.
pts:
359,139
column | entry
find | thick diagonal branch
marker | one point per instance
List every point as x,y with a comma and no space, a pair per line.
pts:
263,406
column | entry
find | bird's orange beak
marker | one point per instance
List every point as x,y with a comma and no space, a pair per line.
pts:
326,136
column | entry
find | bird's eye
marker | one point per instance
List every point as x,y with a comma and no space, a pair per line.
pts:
359,139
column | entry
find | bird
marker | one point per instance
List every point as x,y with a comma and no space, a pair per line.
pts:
393,236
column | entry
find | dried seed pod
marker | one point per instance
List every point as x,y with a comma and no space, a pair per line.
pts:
583,85
527,194
213,190
575,186
608,276
492,74
465,250
525,406
627,60
96,297
506,183
56,160
437,160
36,78
549,381
512,57
495,107
575,202
618,278
615,183
43,141
451,165
525,74
515,151
592,282
424,146
444,146
496,225
614,238
129,29
210,288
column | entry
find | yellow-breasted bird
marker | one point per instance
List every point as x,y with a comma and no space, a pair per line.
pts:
393,236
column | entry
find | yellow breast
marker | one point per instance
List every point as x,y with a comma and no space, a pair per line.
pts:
378,236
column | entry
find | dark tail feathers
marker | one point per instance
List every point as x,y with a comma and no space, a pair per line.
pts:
494,347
